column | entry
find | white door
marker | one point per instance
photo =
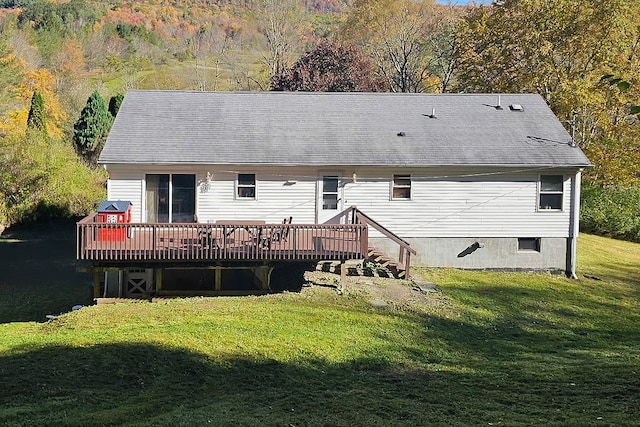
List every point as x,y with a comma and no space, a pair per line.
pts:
329,198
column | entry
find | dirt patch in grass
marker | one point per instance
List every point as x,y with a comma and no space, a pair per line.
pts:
379,291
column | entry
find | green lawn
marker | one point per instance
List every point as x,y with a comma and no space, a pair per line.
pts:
493,349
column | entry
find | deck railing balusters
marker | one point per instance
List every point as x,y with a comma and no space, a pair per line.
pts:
208,242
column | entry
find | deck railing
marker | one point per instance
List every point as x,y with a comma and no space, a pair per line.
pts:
241,240
405,249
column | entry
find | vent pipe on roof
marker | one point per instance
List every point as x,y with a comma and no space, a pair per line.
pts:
572,123
433,113
499,106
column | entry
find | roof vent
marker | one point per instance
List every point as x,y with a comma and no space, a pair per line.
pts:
499,106
516,107
401,134
432,115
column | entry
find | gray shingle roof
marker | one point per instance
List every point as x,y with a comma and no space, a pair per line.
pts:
334,129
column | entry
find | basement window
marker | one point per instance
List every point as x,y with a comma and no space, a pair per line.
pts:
528,244
551,192
246,186
401,188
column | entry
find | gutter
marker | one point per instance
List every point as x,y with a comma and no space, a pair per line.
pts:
574,220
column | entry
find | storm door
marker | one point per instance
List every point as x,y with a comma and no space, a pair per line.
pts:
329,202
170,198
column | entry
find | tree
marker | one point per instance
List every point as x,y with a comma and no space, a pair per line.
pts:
92,128
37,116
114,104
41,177
330,68
10,73
396,34
44,82
281,24
561,49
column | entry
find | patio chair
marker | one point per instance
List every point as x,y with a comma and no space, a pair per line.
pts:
278,235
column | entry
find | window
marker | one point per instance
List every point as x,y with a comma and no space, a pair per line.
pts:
246,188
529,244
551,192
329,193
170,197
401,187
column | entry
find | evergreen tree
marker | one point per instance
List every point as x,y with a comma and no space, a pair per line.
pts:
37,116
92,128
114,104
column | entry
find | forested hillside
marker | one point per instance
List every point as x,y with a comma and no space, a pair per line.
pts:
63,62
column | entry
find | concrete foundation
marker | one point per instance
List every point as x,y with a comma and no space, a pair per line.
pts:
482,253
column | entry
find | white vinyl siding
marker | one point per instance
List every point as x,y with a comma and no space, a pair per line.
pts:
127,186
447,204
444,202
279,194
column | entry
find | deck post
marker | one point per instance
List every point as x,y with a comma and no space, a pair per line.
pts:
407,266
158,280
343,276
218,278
96,282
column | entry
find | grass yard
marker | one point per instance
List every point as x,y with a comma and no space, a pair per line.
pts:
491,349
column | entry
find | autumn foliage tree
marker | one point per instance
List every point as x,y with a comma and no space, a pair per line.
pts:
43,82
396,34
561,49
92,128
281,24
10,74
330,68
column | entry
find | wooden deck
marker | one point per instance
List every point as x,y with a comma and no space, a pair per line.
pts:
241,240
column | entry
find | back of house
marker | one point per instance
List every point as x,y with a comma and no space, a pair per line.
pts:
476,181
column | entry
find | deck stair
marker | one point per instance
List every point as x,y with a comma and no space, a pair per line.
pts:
377,264
378,260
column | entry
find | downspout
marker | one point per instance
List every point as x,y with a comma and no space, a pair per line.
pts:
574,221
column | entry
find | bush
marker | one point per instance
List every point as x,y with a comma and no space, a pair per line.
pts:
611,211
41,178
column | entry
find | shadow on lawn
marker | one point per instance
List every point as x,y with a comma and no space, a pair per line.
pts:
123,384
38,274
150,385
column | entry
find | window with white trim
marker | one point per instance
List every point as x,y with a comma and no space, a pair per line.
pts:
246,186
329,193
551,192
401,187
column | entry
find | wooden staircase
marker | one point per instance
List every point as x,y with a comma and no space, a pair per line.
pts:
378,260
376,263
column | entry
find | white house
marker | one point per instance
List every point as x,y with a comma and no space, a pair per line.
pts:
474,181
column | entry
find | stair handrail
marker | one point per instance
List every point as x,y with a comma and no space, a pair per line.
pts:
405,247
366,219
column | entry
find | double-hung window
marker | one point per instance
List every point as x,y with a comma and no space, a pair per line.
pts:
550,192
246,186
401,187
